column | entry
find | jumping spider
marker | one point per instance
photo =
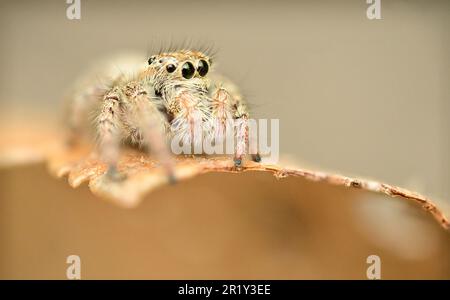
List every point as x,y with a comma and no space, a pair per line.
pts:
146,102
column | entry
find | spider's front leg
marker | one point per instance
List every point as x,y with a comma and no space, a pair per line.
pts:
142,113
226,106
241,117
109,126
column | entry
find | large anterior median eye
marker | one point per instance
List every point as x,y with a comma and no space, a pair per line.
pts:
188,70
202,68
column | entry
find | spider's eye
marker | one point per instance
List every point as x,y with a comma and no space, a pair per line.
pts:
151,60
171,68
188,70
202,68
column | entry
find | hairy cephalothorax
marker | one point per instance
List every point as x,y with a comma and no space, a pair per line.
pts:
148,103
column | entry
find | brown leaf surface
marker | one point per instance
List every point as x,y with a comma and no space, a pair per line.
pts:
143,175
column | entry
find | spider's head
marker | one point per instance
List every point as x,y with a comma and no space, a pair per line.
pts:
181,69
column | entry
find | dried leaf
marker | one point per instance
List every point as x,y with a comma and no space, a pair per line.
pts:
143,175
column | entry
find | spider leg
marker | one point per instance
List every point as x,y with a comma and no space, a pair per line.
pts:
221,113
226,106
144,114
109,131
241,137
241,115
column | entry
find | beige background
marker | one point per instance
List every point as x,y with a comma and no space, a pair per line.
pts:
361,97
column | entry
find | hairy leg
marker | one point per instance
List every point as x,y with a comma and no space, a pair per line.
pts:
189,112
109,131
221,113
144,115
227,106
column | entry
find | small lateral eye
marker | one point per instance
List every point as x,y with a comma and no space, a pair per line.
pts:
151,60
188,70
202,68
171,68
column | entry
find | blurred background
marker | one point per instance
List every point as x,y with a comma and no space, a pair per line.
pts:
353,95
